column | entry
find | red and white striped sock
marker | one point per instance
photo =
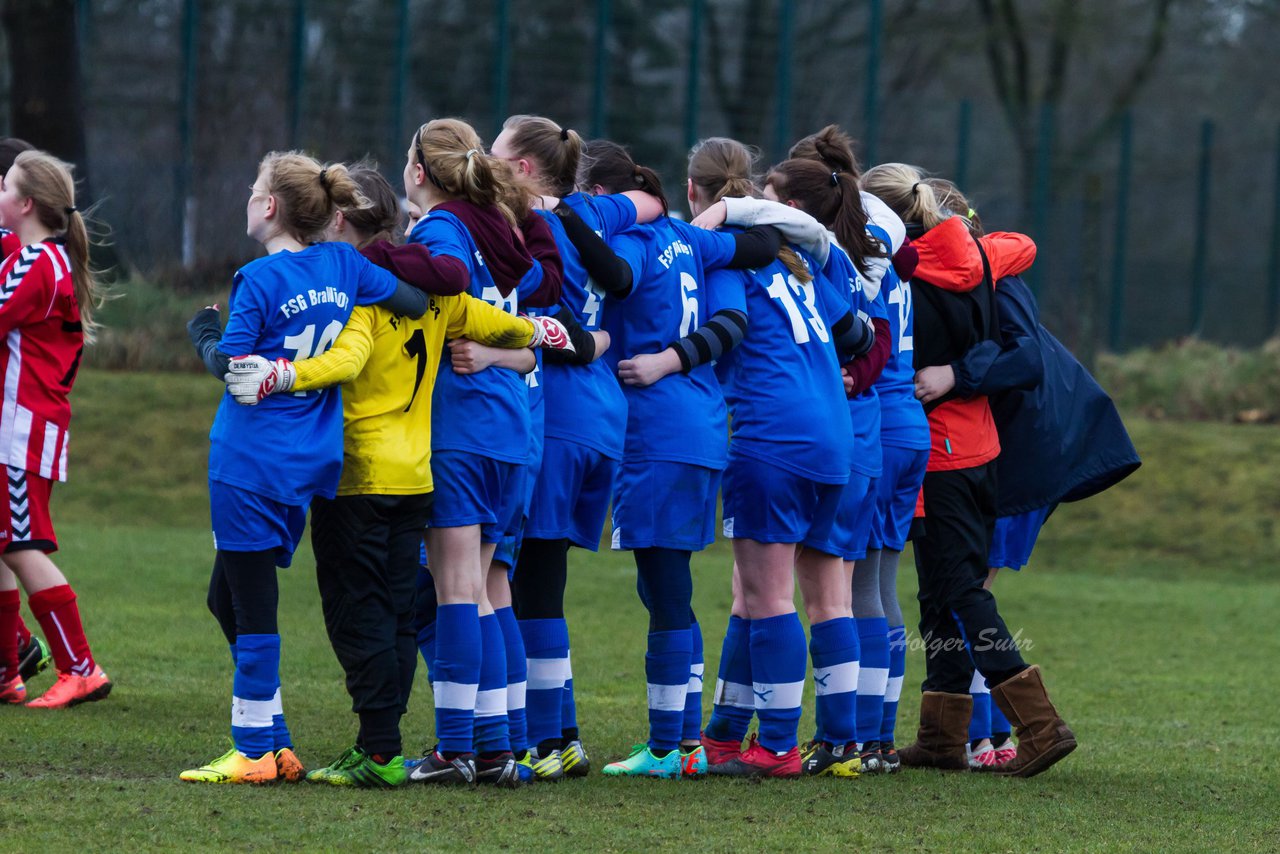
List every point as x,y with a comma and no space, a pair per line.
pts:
55,609
10,620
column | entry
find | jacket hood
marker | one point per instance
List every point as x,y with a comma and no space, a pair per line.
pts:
949,256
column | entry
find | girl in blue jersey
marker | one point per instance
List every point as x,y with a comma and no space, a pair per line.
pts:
664,500
584,423
480,444
267,461
897,419
788,465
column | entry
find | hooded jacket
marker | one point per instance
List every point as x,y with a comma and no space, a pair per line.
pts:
953,315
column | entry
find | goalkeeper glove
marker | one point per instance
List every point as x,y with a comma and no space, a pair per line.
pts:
251,378
549,334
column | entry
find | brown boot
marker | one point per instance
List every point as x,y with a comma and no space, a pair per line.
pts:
1043,737
943,733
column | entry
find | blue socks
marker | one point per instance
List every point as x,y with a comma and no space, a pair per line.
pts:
893,688
834,647
693,695
734,701
546,645
778,664
873,677
456,676
492,734
666,670
517,676
255,700
980,721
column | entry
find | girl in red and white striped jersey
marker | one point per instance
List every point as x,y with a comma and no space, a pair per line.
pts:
47,294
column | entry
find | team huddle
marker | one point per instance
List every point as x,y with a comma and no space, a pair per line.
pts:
461,399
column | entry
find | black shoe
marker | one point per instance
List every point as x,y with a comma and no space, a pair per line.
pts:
33,659
500,770
872,759
889,758
434,768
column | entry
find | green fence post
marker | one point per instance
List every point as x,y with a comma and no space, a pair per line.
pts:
185,196
1123,176
395,128
691,100
501,62
1200,255
297,71
872,105
782,114
1273,267
599,109
963,122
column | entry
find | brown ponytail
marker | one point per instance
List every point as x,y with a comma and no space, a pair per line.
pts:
308,193
610,165
556,150
831,147
453,156
832,198
47,181
381,220
950,198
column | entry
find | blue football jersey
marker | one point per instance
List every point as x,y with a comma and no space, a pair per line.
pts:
864,410
681,418
291,305
782,383
485,413
903,423
584,403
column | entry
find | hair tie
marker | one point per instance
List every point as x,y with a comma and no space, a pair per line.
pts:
972,213
324,178
913,187
70,210
564,134
471,152
835,180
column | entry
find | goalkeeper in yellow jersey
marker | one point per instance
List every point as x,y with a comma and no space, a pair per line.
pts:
366,540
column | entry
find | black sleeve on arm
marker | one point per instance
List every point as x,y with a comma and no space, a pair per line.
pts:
584,344
407,300
755,247
205,333
853,336
720,334
607,270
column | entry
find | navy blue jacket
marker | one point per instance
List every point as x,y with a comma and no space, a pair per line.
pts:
1061,438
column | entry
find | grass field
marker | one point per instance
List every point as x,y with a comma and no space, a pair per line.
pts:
1152,609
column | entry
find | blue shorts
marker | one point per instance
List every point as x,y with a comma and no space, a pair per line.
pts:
508,552
475,490
664,505
571,498
897,492
245,521
857,513
772,505
1015,537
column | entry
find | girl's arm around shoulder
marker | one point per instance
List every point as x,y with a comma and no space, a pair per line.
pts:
1008,252
344,361
468,317
414,264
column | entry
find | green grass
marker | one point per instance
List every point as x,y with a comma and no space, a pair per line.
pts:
1151,608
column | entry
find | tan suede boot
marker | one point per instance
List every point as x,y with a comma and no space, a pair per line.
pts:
943,733
1043,737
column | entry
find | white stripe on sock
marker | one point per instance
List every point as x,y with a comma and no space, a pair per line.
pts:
667,698
836,679
515,696
872,681
277,704
491,703
893,689
79,666
546,674
734,694
778,695
455,695
250,713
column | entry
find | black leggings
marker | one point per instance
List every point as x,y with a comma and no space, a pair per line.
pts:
244,593
542,571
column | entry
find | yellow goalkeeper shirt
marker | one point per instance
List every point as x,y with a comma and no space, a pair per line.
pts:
387,365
